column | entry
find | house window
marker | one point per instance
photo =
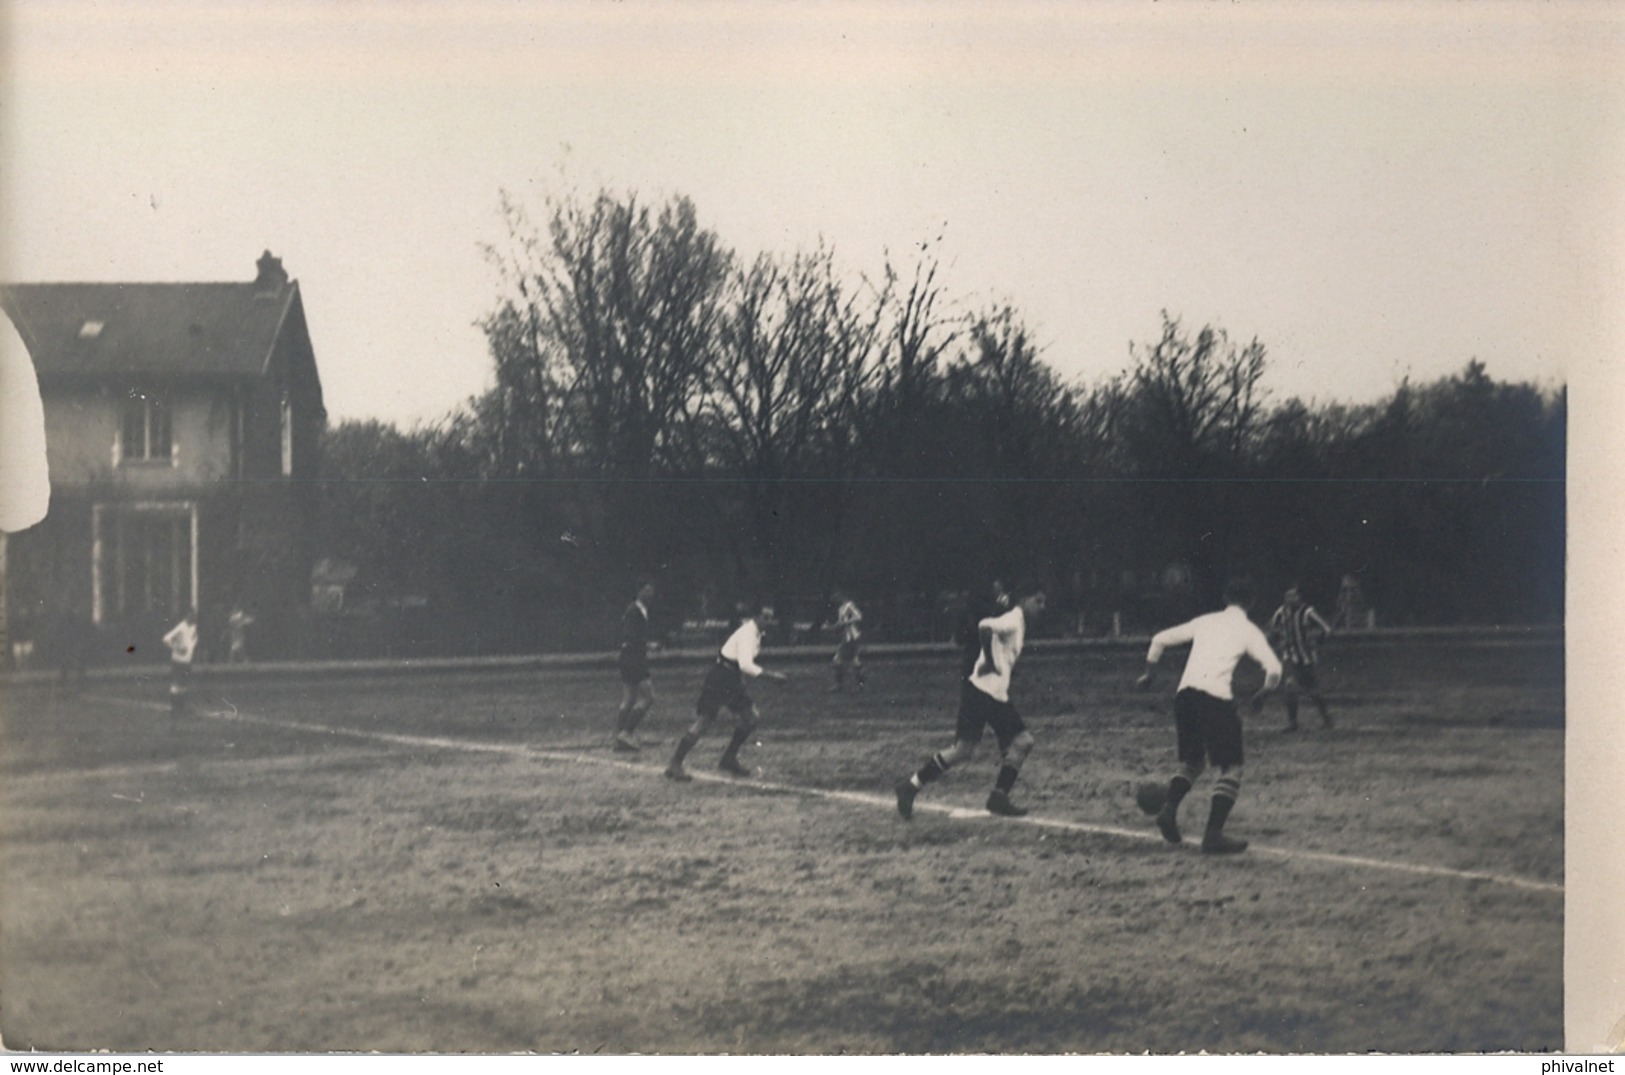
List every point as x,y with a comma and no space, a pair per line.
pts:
287,436
145,561
145,431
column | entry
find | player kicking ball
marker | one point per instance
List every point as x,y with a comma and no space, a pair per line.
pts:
984,701
1207,725
725,686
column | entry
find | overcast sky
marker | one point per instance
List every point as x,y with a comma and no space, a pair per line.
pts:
1373,191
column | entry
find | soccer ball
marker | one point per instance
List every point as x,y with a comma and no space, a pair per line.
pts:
1150,796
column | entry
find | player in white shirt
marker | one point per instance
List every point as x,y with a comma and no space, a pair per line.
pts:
725,686
848,654
182,643
985,702
1205,717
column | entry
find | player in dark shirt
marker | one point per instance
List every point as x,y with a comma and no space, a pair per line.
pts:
637,688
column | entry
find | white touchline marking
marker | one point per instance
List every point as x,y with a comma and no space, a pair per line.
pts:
955,813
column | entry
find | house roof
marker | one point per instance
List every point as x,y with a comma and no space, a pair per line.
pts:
96,330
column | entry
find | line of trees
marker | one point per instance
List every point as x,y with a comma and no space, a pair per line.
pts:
664,408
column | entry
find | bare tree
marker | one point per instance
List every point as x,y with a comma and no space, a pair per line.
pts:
603,343
1194,413
796,351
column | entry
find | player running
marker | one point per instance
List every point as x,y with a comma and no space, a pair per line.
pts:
182,643
1296,631
848,653
637,687
1206,722
994,601
984,701
725,686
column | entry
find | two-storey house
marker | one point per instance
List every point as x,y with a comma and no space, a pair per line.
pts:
182,423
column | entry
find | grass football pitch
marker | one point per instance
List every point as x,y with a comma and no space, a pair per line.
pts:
455,861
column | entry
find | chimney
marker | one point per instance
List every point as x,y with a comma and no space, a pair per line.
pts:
272,276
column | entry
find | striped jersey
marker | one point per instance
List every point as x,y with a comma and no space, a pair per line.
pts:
847,620
1296,632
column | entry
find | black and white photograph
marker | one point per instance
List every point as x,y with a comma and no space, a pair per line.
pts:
864,529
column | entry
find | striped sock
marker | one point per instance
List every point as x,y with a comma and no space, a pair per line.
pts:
1225,792
930,771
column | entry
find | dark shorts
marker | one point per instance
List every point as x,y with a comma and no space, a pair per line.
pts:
724,686
1209,730
847,652
634,668
978,710
1301,675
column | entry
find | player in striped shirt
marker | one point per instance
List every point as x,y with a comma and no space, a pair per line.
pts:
1207,726
848,653
1296,631
725,686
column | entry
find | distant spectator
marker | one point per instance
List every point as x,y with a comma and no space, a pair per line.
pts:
237,624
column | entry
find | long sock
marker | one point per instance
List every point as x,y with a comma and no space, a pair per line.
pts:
623,719
931,770
684,745
633,717
738,740
1225,791
1006,779
1178,788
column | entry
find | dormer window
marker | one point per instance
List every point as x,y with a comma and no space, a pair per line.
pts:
144,429
91,329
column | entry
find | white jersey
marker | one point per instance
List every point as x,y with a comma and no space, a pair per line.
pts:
1218,641
182,642
1009,635
743,646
